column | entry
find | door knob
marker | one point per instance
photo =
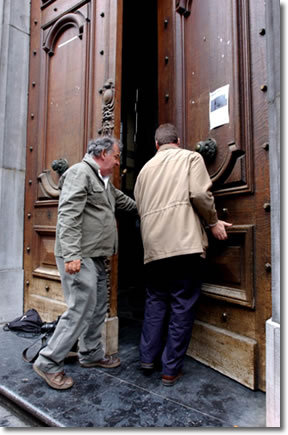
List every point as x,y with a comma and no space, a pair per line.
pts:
60,166
208,149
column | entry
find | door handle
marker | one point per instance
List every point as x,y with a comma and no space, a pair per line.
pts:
208,149
60,166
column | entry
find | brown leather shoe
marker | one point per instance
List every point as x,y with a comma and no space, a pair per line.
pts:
168,381
108,362
58,381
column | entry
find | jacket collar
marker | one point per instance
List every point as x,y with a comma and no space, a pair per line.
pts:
91,162
169,146
96,168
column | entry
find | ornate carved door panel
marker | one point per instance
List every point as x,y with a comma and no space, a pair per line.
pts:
203,48
71,99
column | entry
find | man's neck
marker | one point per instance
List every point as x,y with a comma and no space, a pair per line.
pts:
167,146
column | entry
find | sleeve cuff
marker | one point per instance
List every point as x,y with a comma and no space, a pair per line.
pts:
213,225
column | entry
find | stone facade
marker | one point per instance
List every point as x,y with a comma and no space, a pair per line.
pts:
14,67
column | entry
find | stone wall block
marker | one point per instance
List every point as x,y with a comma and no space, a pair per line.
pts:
12,214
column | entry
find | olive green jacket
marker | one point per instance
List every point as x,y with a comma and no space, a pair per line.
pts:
174,202
86,225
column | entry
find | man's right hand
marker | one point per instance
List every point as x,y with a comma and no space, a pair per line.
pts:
219,230
73,266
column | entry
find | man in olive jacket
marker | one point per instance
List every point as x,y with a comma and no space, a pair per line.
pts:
86,234
174,203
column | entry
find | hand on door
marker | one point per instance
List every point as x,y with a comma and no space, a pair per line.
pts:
219,230
73,266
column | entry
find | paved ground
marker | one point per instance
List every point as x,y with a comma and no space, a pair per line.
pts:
123,397
13,416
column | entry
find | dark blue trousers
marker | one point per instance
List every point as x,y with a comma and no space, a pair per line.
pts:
172,291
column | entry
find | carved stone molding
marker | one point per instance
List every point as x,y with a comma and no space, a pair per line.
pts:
108,105
73,19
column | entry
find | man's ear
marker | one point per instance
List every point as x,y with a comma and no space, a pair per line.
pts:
103,154
157,146
178,142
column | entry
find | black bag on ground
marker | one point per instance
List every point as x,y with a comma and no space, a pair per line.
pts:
30,354
31,323
28,322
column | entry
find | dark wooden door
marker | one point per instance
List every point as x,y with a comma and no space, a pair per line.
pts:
73,63
204,47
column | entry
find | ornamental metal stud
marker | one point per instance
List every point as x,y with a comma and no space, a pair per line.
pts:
264,88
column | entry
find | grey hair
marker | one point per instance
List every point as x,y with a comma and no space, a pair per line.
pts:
103,143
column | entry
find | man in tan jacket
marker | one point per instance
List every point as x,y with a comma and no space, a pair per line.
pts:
174,204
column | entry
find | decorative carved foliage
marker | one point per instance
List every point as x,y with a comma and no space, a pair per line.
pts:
108,104
74,19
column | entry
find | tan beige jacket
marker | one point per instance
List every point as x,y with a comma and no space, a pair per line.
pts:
174,201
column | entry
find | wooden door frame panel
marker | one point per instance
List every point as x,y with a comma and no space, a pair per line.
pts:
103,22
49,35
249,134
239,145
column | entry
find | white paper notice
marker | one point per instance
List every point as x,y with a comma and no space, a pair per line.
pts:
218,107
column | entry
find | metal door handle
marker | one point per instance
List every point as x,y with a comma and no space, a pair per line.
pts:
60,166
208,149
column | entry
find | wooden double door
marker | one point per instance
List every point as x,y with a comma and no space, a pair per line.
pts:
105,67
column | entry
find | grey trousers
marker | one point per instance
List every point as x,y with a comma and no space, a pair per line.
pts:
86,297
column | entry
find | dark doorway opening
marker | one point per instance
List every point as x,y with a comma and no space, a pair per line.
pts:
139,117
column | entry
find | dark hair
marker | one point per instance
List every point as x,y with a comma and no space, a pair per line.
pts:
96,146
166,133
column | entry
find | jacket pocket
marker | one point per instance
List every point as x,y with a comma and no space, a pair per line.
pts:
97,194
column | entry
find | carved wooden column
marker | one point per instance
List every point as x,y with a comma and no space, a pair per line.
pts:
111,329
